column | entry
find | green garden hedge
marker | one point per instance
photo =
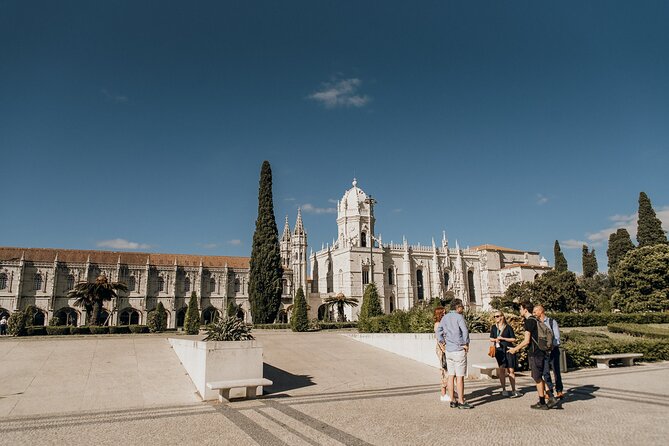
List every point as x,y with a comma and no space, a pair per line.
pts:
58,329
580,345
601,319
640,330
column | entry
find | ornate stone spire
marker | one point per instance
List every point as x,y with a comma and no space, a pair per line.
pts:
286,231
299,227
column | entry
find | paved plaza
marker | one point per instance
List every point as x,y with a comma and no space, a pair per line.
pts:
329,390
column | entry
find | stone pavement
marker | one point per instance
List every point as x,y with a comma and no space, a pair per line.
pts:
328,390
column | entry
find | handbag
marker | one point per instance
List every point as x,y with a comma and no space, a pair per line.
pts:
491,351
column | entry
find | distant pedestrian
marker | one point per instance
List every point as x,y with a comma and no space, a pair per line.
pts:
554,359
503,337
441,355
453,331
537,357
3,325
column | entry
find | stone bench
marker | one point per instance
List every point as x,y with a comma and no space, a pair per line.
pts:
603,360
251,385
488,370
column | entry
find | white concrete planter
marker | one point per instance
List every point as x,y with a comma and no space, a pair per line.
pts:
219,361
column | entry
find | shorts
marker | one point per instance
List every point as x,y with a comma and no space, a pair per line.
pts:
505,359
538,365
457,363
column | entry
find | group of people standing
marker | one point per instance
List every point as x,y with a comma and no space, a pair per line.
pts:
453,345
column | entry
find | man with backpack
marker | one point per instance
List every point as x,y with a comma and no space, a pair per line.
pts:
539,338
554,359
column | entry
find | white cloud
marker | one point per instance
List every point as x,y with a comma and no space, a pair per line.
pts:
119,243
397,210
541,199
289,199
572,244
332,200
114,97
341,93
235,242
626,221
311,209
208,245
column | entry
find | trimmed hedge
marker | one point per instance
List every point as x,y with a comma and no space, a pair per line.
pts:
36,330
271,326
84,329
336,325
600,319
640,330
119,329
138,328
580,345
58,329
99,329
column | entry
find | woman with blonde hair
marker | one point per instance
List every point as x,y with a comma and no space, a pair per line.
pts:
441,352
503,337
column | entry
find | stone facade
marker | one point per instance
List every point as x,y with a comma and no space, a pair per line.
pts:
404,274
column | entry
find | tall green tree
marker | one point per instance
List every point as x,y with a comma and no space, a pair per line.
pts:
192,320
642,280
513,296
589,262
649,231
371,304
559,291
265,266
157,320
92,295
299,321
620,243
560,260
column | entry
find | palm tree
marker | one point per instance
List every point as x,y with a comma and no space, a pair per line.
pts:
91,295
340,301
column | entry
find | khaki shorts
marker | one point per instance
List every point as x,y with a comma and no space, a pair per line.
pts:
457,363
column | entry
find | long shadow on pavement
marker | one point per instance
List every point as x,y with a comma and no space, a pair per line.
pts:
284,380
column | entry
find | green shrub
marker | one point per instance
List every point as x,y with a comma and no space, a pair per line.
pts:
268,326
84,329
58,329
478,321
138,328
54,321
99,329
228,329
157,320
299,321
639,330
579,346
192,320
600,319
36,330
421,319
16,324
119,329
398,322
336,325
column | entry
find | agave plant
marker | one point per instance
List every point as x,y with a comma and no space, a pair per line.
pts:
228,329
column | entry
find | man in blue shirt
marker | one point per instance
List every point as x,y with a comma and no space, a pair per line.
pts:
453,331
554,360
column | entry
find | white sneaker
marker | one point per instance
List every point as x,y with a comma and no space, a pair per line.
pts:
505,393
516,394
445,398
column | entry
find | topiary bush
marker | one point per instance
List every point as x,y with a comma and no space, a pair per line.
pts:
119,329
228,329
299,321
138,329
99,329
58,330
157,320
192,320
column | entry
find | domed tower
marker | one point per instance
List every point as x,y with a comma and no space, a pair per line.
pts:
355,218
299,254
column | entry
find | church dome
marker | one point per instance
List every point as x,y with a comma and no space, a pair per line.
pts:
353,199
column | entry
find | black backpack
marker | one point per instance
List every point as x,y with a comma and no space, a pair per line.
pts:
545,338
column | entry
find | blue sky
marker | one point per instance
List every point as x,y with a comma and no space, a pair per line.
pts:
143,125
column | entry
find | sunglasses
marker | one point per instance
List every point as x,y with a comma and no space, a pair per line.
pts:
498,315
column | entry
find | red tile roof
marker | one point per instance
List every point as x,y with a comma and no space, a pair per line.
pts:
488,247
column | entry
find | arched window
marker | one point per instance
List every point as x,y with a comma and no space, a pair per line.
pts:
329,279
67,316
419,284
365,276
104,317
37,282
212,285
187,285
129,316
160,282
391,278
181,317
470,282
3,281
131,283
70,281
39,318
363,239
446,277
284,285
237,286
210,315
392,303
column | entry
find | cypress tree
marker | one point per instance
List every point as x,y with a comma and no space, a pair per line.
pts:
157,320
649,232
265,265
371,305
560,260
192,321
620,243
299,320
589,262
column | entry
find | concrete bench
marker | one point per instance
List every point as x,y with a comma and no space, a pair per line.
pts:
603,360
487,370
251,385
